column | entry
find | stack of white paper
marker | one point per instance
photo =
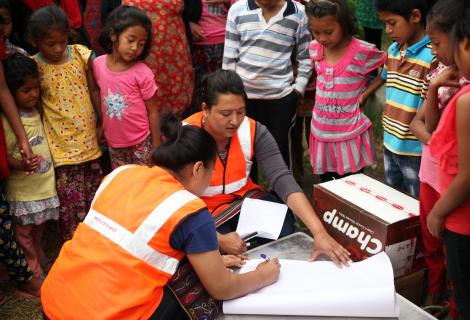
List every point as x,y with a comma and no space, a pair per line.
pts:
365,289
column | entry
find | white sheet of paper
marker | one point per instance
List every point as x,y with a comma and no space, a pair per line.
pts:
365,289
261,216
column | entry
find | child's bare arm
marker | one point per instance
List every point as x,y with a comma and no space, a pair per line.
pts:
23,165
418,127
9,108
95,96
459,189
448,77
93,89
371,88
154,121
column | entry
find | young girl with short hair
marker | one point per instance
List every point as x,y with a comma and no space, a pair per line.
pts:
341,135
450,216
11,254
68,116
127,88
32,198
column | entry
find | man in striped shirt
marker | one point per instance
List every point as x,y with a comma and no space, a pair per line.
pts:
262,39
409,60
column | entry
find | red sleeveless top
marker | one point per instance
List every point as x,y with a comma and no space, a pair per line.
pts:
443,146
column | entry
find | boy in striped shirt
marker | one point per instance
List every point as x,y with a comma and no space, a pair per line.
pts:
262,37
409,60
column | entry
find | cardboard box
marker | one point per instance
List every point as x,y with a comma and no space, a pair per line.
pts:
367,217
411,286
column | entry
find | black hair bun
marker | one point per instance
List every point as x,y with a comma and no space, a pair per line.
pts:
171,128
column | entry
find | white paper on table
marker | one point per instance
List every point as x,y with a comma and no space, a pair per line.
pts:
365,289
264,217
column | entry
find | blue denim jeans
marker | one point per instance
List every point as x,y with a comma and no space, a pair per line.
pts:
402,172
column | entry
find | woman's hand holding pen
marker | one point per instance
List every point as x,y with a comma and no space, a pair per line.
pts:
269,269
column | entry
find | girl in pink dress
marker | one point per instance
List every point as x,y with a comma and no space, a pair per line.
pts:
127,88
340,134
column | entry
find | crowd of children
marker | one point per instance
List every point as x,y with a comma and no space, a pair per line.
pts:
66,99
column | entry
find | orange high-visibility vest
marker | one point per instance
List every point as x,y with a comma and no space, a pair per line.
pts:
231,181
120,257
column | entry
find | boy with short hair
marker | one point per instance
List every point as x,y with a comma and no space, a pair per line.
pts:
409,60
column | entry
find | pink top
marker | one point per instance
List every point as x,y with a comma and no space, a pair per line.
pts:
443,146
123,96
336,114
428,172
213,21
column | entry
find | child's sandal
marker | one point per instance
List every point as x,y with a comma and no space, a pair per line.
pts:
3,298
438,311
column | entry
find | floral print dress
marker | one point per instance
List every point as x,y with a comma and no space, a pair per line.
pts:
169,58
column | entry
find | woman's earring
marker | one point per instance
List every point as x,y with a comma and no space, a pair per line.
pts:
204,121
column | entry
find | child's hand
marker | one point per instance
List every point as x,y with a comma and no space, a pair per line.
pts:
299,95
196,32
447,78
152,151
25,150
29,164
99,133
435,224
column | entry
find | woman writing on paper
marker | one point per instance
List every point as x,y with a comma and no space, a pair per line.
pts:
239,139
141,224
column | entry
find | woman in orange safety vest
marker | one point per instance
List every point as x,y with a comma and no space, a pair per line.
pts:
142,222
239,139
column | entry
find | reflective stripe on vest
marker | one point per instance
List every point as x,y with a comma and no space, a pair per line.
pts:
244,136
136,243
161,213
129,242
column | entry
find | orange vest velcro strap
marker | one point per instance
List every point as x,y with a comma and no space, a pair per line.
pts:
244,136
130,242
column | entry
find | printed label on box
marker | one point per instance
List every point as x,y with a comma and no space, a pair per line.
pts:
354,231
401,254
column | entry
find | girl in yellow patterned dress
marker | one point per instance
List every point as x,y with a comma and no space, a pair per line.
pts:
68,114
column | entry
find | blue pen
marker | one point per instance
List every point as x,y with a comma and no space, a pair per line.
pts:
265,257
